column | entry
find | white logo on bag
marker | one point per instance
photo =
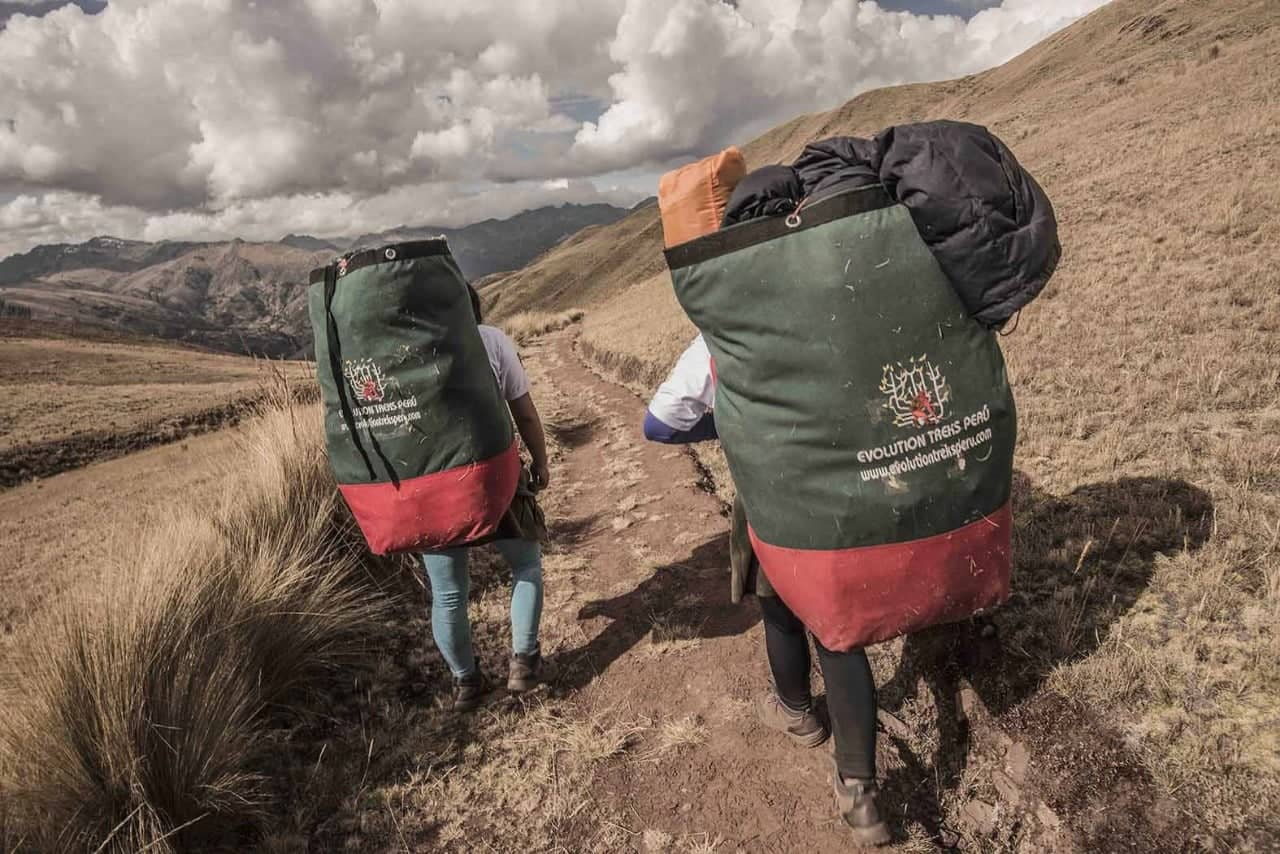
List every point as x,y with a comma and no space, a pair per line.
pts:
381,403
366,379
917,392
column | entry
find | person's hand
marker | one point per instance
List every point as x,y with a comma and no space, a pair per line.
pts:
540,475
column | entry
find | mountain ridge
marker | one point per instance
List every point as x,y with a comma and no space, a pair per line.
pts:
246,296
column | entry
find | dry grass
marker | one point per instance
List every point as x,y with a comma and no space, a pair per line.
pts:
656,841
703,843
675,734
1146,376
672,632
137,714
76,402
56,388
512,777
526,326
94,510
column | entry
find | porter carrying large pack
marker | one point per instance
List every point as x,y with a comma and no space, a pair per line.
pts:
861,396
866,418
419,436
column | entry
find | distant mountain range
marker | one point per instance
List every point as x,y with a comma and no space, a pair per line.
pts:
241,296
235,296
498,245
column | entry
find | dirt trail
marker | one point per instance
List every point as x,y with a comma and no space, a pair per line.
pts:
665,639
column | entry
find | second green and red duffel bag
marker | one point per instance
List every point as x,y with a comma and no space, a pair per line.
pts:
866,417
419,436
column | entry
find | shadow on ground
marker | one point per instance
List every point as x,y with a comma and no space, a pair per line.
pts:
396,719
567,533
1081,562
576,434
689,598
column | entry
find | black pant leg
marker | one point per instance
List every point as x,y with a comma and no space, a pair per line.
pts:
851,702
787,645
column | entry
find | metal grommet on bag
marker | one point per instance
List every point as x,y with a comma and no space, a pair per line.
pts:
793,218
389,253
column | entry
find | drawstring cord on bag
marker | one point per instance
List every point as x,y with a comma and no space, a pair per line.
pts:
1017,315
335,364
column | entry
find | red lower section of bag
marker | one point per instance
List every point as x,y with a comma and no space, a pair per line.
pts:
437,510
855,597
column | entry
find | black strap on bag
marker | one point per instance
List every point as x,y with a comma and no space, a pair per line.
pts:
335,365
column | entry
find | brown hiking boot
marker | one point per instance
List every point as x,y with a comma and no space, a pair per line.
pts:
804,728
469,690
525,672
856,803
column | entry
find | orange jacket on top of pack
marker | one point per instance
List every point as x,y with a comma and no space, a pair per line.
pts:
692,198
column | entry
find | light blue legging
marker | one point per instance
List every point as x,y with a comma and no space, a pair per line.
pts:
450,586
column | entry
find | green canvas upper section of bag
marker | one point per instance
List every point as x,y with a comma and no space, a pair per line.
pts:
812,332
408,325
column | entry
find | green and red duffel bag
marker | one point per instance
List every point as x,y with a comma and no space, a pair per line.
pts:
866,417
419,436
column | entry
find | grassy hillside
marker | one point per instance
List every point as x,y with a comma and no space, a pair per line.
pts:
584,266
1153,359
97,512
155,709
1121,117
75,400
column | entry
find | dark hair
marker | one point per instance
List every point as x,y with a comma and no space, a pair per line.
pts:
475,303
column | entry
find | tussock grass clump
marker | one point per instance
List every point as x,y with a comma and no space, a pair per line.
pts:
529,325
675,734
137,716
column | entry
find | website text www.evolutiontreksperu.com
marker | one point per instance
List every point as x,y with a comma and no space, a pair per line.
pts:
390,414
951,450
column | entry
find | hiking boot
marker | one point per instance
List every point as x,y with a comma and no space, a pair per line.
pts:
525,672
856,803
469,690
804,728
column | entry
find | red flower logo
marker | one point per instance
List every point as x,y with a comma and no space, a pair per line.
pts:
922,408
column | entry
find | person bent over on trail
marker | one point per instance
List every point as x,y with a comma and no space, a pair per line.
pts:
517,540
682,412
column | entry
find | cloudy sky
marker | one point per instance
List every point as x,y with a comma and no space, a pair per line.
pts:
158,119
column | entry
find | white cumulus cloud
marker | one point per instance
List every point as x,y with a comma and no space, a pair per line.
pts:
209,115
698,74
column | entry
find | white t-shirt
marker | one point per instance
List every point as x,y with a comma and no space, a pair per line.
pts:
505,363
688,392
